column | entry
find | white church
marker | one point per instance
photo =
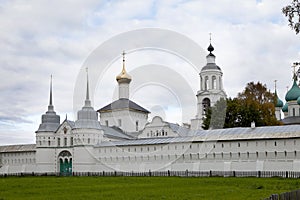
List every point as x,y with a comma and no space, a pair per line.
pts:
120,137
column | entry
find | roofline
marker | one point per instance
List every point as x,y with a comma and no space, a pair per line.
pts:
111,110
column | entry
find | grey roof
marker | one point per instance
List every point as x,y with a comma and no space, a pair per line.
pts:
48,127
71,123
230,134
86,123
114,132
18,148
209,66
291,120
182,131
123,104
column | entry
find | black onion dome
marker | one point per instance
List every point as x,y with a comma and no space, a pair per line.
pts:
210,48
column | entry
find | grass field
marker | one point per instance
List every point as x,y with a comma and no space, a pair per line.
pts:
142,187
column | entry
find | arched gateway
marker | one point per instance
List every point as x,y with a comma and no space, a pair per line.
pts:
65,163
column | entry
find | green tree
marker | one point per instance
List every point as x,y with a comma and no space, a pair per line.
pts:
254,104
233,113
292,12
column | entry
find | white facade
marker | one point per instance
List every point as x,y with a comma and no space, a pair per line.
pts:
125,119
244,149
92,145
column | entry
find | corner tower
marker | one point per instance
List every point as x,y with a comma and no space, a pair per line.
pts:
211,88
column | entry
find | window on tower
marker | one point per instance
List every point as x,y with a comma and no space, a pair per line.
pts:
205,105
206,84
214,82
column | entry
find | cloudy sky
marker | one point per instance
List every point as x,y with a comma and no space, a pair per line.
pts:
38,38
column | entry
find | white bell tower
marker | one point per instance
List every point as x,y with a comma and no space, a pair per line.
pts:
211,88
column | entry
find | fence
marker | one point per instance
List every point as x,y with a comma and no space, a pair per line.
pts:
293,195
186,173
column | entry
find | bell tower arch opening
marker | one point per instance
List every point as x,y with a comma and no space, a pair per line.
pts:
205,105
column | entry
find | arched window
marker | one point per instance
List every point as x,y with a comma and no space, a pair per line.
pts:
220,83
205,105
214,82
206,83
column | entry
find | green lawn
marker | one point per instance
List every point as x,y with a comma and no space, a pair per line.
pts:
142,187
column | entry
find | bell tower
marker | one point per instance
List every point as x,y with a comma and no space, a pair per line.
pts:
211,88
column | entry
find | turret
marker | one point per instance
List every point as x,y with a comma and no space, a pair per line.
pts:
87,117
50,121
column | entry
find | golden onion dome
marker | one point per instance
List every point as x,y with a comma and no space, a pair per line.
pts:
123,76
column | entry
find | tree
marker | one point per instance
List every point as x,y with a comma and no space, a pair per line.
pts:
292,12
215,116
257,105
254,104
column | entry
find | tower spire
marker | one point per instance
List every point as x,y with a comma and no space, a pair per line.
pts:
275,81
50,107
210,47
87,98
50,102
